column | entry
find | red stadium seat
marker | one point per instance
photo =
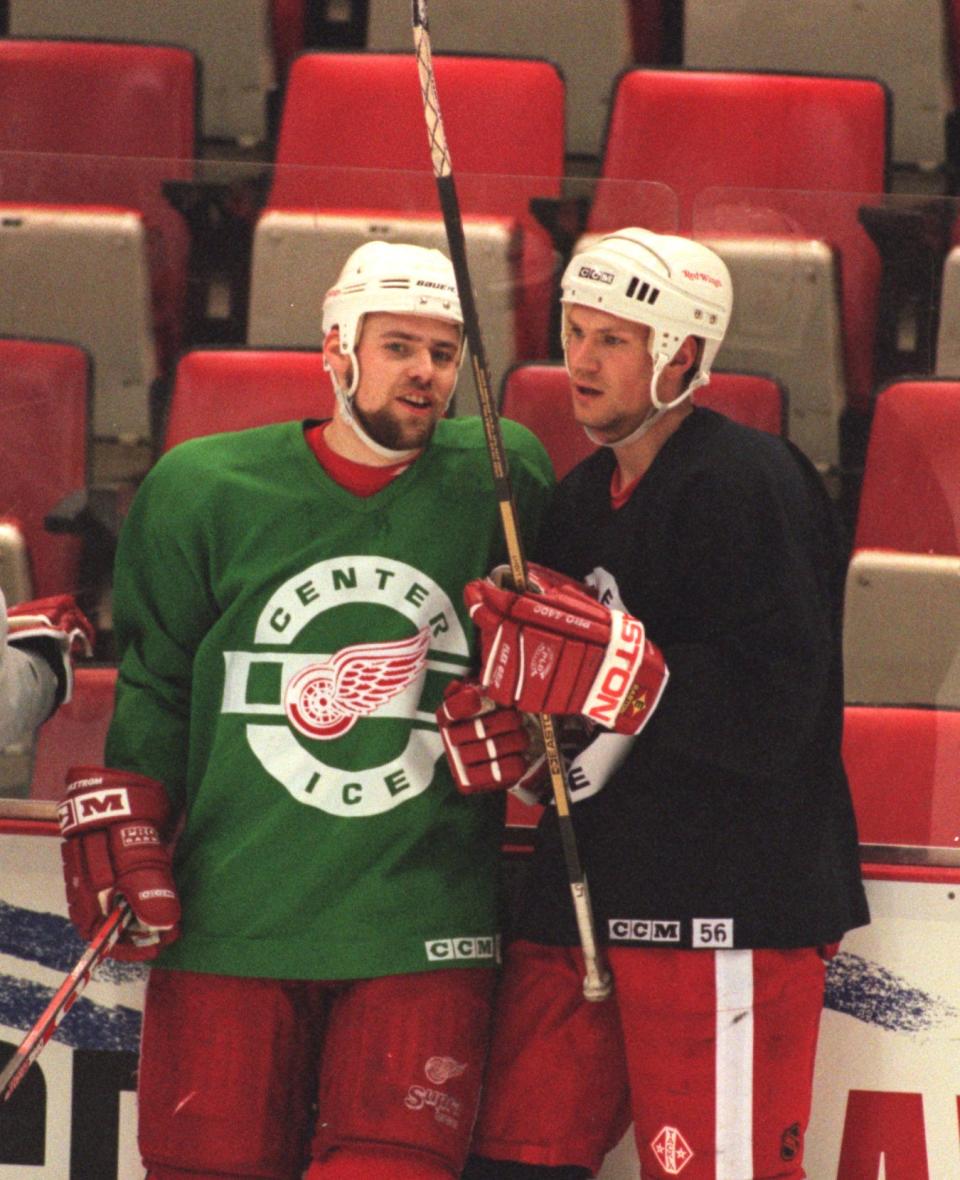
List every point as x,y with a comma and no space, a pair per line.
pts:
538,396
782,162
242,48
45,398
217,390
345,111
903,766
357,120
751,398
85,122
906,48
75,734
910,497
551,29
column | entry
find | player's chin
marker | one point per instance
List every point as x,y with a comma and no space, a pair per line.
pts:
605,430
590,409
392,427
417,433
592,415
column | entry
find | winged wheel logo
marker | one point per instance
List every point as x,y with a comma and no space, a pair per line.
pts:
323,701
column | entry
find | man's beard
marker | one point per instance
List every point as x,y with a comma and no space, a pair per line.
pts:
386,430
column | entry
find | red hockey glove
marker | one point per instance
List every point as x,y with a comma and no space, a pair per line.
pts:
488,748
57,629
115,826
561,651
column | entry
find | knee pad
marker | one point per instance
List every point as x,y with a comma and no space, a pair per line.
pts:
349,1163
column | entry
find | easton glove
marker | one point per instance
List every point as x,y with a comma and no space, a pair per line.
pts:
560,651
115,828
488,748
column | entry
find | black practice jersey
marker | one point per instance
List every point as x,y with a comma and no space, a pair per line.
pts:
729,822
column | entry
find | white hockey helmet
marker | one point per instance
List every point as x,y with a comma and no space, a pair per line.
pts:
392,277
675,286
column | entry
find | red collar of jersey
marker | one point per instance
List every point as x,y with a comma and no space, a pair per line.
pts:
620,494
358,478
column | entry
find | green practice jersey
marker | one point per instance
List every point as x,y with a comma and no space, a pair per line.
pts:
284,645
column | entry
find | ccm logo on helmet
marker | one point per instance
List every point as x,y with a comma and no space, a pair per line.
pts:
598,276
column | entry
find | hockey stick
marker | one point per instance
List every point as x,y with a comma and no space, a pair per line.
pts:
32,1044
596,984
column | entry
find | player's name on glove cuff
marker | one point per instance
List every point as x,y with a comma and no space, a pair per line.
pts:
627,688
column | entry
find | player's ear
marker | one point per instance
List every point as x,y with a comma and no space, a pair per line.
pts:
686,355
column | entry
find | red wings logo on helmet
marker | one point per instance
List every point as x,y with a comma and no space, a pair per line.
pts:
323,701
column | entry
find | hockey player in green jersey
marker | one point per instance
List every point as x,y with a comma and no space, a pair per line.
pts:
288,610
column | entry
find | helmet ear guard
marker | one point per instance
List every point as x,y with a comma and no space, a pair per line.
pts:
674,286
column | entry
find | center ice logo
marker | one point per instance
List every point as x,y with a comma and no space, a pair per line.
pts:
322,696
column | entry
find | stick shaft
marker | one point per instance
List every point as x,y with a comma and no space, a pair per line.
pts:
596,983
32,1044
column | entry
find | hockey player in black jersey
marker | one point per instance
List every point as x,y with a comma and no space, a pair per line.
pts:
711,807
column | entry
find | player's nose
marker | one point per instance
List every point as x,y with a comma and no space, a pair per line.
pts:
583,357
421,367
